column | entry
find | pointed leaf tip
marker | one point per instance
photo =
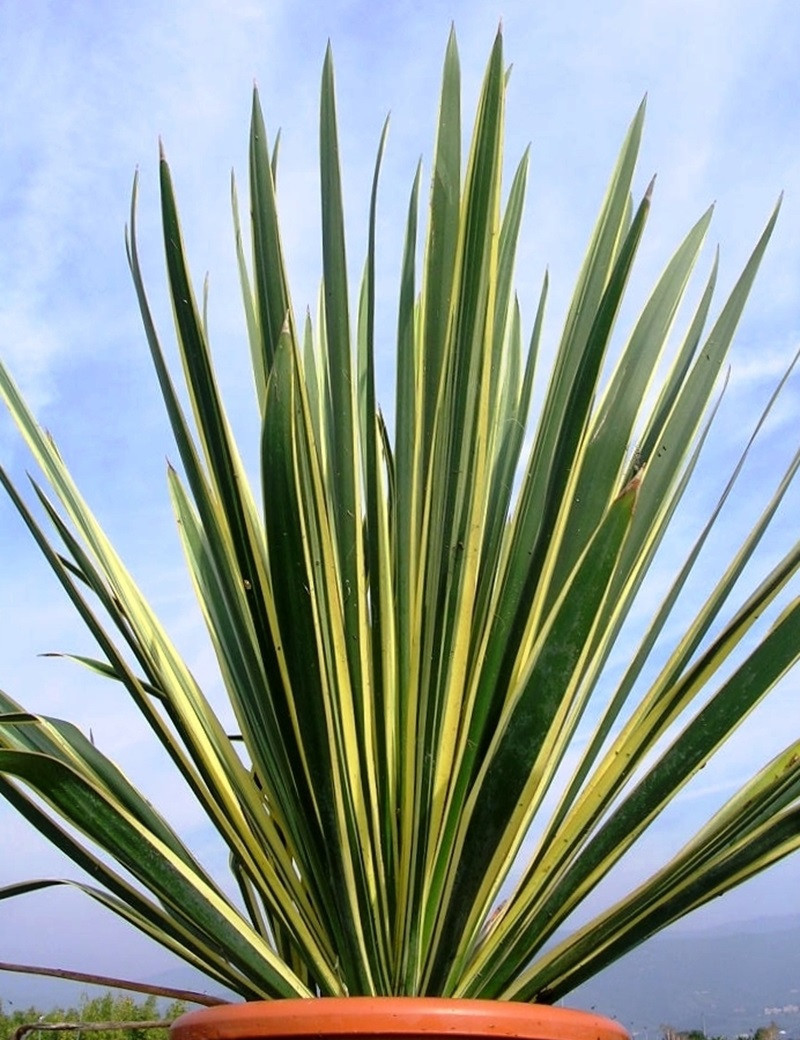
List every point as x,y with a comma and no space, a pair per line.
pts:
649,193
633,485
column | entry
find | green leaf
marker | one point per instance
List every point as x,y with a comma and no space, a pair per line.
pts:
151,861
529,742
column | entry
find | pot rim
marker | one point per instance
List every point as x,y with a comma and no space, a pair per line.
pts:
393,1017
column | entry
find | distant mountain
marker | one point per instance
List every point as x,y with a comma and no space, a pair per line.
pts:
726,981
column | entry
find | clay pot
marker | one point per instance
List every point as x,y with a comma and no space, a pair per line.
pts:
392,1018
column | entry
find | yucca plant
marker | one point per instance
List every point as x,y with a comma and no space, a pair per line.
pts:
414,627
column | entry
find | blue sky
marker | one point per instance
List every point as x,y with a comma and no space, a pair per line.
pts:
85,91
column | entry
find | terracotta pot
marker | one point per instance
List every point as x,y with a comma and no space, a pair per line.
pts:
395,1018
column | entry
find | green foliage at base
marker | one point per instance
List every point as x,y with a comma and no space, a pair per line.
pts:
107,1008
